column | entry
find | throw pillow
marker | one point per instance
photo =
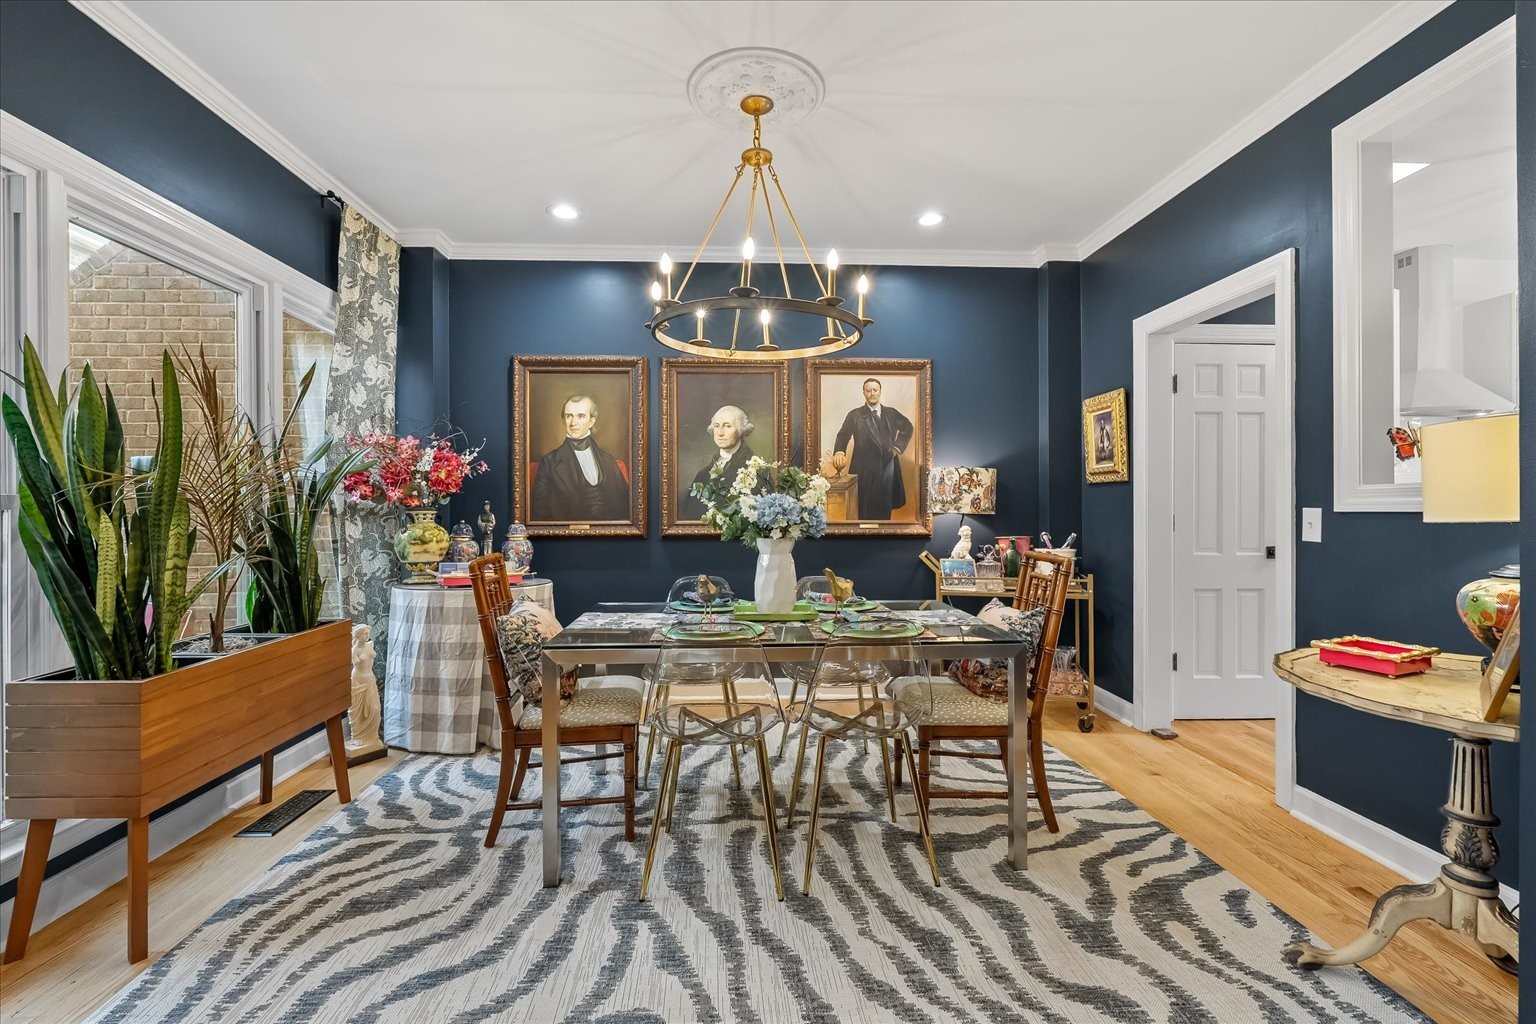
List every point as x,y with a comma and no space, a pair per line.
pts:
988,677
521,633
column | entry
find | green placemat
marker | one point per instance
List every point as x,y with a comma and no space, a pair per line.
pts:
747,611
713,631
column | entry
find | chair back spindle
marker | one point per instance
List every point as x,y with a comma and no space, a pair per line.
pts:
1044,577
493,599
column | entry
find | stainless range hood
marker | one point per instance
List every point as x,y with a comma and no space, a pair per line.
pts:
1432,341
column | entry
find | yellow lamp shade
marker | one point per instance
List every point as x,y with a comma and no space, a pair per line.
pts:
1472,470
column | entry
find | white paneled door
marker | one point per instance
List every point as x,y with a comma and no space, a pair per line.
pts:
1224,530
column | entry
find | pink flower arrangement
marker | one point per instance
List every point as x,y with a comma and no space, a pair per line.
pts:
408,472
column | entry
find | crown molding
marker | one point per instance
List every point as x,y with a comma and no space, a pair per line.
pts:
722,254
1360,48
133,32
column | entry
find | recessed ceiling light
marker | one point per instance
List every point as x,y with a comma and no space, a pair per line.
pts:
1401,171
565,211
931,219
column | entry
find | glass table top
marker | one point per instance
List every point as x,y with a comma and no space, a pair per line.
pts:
618,625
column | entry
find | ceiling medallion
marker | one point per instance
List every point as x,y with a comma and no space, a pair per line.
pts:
782,320
722,80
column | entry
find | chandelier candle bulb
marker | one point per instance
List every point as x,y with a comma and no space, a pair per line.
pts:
698,337
863,291
748,249
666,272
831,274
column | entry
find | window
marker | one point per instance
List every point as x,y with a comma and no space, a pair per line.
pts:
305,345
125,309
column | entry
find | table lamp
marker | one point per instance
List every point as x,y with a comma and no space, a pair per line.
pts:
968,490
1472,475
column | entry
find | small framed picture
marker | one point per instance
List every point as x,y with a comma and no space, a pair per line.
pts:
958,572
1106,458
1503,670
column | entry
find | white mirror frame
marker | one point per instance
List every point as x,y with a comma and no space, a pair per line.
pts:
1351,493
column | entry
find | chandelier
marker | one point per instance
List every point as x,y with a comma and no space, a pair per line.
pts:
763,326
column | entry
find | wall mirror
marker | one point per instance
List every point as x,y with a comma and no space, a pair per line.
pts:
1424,264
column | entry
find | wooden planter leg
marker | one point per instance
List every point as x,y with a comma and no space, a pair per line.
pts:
266,778
138,889
339,758
28,884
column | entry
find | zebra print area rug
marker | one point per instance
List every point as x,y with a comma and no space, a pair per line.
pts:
393,912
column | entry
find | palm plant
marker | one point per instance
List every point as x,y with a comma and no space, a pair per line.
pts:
110,547
224,471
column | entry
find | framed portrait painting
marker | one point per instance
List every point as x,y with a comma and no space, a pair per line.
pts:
715,413
578,445
1105,455
873,418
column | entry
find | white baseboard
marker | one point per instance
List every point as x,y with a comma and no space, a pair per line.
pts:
100,871
1414,861
1116,707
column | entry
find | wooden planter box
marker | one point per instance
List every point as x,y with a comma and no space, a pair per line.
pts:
83,748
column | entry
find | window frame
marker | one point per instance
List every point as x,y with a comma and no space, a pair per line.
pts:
64,185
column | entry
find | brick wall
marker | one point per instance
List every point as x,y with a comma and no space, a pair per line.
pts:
125,308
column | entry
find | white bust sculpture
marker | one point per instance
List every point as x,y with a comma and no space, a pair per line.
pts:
962,547
364,715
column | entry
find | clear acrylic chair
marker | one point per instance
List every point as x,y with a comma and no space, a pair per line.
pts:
816,590
694,599
852,693
712,686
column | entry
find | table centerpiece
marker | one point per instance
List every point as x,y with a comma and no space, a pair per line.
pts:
767,505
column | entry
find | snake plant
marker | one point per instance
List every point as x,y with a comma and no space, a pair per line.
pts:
109,546
287,588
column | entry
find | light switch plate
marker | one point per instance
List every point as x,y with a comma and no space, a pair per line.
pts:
1312,525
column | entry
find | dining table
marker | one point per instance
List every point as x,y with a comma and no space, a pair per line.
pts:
631,634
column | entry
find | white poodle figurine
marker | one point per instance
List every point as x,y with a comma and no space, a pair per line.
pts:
963,545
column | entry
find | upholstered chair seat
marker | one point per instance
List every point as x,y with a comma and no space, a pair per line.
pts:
614,703
953,704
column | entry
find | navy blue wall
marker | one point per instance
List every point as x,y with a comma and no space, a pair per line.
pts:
1525,105
1060,365
63,74
978,327
1380,574
1259,311
421,347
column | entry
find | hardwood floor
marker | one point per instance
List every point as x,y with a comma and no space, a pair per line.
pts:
1212,785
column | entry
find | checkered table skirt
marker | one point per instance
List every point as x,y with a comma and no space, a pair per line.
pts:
437,686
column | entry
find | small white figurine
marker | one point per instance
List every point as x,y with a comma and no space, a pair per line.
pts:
364,715
963,545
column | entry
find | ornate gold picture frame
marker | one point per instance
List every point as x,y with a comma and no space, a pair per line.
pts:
881,492
1106,455
749,403
562,487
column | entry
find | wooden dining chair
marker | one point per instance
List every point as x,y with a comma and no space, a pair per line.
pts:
959,714
600,712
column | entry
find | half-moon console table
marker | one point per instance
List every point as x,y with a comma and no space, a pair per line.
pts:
1465,895
84,748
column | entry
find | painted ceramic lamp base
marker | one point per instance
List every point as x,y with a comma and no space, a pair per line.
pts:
1464,898
774,590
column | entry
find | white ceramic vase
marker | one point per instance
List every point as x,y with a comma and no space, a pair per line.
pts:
775,583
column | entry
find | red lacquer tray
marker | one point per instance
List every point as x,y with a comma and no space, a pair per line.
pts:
1384,657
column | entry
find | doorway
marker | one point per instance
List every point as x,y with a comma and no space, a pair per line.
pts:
1155,494
1224,550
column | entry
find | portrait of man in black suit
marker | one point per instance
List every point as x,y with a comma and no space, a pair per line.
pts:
879,435
579,482
729,429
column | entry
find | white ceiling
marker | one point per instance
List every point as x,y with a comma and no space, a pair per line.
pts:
1027,124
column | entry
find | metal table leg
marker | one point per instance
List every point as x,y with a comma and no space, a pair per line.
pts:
550,733
1018,763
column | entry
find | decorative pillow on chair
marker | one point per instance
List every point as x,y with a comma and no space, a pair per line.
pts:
988,677
521,633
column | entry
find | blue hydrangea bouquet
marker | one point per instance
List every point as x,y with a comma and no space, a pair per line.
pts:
765,500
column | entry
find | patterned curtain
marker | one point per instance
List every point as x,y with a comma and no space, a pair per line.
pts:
360,397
